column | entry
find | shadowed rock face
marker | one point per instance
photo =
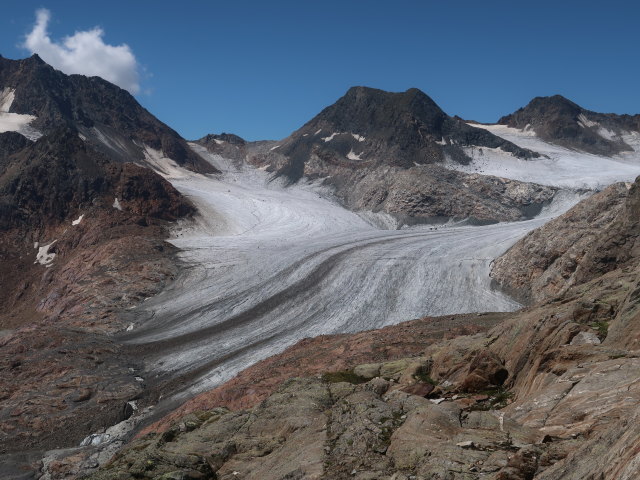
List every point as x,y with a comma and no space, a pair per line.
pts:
10,142
106,115
59,174
369,126
558,120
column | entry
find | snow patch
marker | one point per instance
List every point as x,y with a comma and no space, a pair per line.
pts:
44,257
353,156
78,220
441,142
607,134
15,122
330,137
163,165
305,134
319,130
116,204
359,138
273,148
560,167
7,96
633,140
219,142
584,122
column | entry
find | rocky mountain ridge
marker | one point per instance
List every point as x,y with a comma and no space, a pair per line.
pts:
104,115
561,121
384,152
369,126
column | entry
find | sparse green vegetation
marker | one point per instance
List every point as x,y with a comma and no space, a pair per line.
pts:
601,328
498,399
343,376
423,376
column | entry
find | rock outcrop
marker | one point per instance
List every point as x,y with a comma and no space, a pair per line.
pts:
431,193
594,237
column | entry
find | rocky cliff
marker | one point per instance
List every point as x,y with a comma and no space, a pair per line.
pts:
587,241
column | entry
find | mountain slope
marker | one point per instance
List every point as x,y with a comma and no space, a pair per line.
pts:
105,115
558,120
83,224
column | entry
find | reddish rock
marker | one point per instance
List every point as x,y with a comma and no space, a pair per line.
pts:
485,371
419,389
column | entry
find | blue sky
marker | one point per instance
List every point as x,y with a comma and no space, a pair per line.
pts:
262,69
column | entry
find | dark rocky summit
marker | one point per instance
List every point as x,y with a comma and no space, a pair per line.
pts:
107,116
398,129
226,145
558,120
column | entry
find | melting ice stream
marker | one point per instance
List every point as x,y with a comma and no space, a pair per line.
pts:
268,265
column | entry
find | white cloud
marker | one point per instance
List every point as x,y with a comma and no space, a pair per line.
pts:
85,53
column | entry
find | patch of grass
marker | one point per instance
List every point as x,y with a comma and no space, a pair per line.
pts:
343,376
498,399
423,376
601,328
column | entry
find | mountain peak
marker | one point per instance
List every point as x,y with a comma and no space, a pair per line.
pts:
36,58
373,127
557,119
553,103
105,115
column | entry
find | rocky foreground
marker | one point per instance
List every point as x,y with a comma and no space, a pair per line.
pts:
550,392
